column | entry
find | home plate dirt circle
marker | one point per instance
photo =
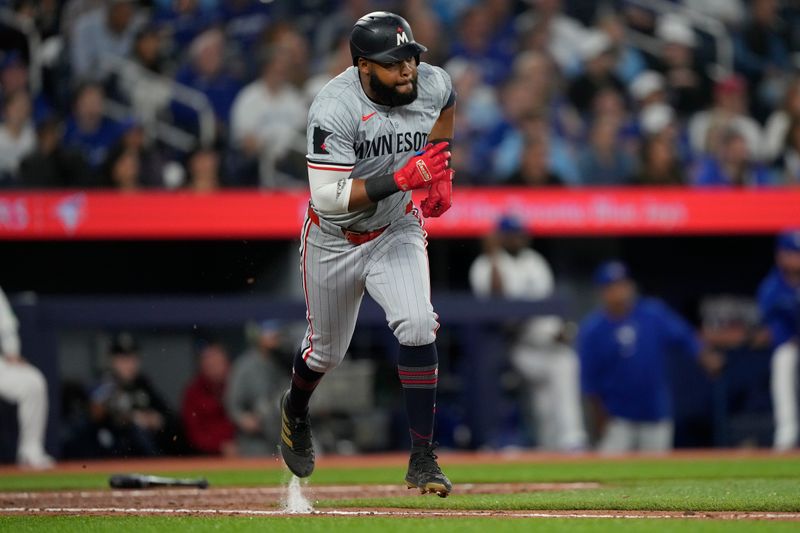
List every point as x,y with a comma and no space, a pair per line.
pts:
267,501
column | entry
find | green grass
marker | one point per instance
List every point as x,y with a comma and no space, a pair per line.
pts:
762,484
160,524
598,470
661,495
723,484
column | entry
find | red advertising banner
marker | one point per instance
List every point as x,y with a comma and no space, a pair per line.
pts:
65,215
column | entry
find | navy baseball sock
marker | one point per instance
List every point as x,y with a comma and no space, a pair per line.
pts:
304,381
418,368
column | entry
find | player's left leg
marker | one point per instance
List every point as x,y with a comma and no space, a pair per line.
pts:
552,375
618,437
566,398
532,364
656,436
333,285
783,385
24,384
399,281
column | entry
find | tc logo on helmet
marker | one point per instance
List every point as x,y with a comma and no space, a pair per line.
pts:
402,38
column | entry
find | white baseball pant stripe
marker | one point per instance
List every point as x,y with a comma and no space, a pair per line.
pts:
623,435
552,374
24,385
393,268
783,385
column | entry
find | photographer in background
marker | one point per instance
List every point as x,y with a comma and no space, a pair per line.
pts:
253,391
130,417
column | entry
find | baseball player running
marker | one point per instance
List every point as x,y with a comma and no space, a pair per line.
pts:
375,132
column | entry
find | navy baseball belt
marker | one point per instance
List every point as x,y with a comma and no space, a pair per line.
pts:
357,237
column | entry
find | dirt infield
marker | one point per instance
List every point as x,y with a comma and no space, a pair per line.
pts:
250,498
269,501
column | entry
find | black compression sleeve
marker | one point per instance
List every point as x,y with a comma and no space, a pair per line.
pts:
442,140
380,187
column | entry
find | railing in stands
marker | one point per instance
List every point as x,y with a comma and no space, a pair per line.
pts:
134,76
26,26
700,21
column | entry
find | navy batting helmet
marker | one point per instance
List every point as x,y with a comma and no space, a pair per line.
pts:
383,37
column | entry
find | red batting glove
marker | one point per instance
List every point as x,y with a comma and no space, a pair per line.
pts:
423,170
440,197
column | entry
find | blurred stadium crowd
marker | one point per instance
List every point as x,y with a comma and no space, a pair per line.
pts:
202,94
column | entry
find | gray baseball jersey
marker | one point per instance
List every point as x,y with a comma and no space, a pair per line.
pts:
348,131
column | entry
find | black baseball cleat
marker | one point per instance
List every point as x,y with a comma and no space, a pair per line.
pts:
424,472
297,448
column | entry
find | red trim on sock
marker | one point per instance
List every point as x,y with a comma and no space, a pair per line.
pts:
419,382
303,384
415,434
423,373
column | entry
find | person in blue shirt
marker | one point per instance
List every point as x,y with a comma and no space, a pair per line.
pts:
207,72
88,130
732,165
245,20
779,304
623,348
485,42
185,19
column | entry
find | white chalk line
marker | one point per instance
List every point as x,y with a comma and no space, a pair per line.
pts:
403,513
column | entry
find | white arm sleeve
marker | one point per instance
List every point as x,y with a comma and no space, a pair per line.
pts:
331,134
330,188
9,338
245,114
480,276
540,282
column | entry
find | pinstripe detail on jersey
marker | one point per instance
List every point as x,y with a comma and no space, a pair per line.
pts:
303,247
377,146
304,236
392,267
421,221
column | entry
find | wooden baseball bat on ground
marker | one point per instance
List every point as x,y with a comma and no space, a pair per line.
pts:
143,481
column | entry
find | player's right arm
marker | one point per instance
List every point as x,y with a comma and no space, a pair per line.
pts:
331,135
